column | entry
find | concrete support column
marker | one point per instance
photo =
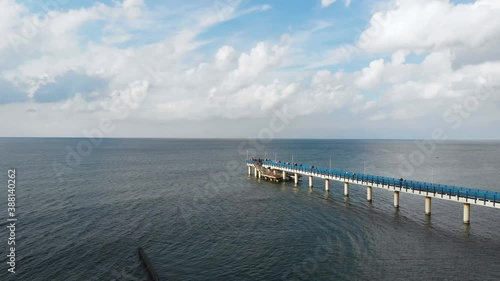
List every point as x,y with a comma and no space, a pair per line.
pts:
466,213
296,178
249,170
327,184
428,206
255,172
310,181
284,175
396,199
369,193
346,189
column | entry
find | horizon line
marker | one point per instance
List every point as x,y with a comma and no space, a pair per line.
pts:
246,138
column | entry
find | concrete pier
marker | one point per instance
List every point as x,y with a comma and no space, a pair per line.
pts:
466,213
271,170
396,199
428,205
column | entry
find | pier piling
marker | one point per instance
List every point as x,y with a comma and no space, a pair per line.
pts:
428,206
466,213
396,199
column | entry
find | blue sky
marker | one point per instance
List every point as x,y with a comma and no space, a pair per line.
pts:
366,69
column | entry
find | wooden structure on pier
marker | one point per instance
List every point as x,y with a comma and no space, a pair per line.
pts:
270,174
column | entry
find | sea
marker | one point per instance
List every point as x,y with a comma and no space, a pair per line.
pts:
84,206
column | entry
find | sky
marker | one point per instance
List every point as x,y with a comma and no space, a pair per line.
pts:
385,69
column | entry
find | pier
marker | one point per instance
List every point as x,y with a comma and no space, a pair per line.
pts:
277,171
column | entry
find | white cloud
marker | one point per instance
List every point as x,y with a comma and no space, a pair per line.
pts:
399,57
65,22
250,66
415,25
115,39
326,3
179,80
225,57
133,8
259,58
342,54
371,75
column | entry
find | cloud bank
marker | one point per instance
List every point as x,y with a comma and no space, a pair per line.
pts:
64,67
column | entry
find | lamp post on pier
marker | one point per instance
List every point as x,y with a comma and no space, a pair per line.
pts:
432,175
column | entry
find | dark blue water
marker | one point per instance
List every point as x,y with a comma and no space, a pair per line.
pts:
192,207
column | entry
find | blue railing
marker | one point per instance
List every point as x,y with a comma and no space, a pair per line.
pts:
471,194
